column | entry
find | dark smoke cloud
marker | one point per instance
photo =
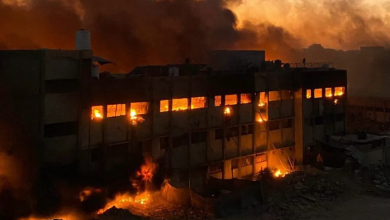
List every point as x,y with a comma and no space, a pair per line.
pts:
138,32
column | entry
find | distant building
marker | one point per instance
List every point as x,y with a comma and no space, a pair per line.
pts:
193,120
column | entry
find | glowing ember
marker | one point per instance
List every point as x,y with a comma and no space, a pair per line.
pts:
134,118
279,173
97,114
228,111
125,201
336,101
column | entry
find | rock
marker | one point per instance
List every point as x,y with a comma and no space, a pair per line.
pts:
311,199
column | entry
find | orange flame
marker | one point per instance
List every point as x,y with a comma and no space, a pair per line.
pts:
278,173
228,111
125,201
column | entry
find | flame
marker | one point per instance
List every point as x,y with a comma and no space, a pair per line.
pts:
97,114
261,120
336,101
125,201
134,118
278,173
261,104
228,111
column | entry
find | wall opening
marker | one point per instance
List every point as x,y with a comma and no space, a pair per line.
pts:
198,102
97,112
180,104
317,93
231,100
116,110
246,98
164,105
217,100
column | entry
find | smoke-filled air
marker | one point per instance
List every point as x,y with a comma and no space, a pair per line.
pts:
141,32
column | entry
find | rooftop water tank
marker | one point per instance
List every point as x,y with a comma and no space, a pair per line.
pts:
83,40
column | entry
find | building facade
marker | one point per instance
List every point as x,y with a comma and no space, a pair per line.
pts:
194,121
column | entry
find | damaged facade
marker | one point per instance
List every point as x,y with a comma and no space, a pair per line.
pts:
230,118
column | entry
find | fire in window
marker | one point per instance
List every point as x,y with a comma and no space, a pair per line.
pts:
217,100
198,102
97,112
262,100
116,110
164,105
230,99
246,98
179,104
317,93
328,92
139,108
339,91
308,93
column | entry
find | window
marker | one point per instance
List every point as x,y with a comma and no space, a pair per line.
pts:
247,161
180,104
218,134
217,100
339,117
317,93
339,91
328,92
288,123
60,129
319,120
234,131
230,99
181,140
97,112
286,94
247,129
274,96
308,94
262,99
164,143
273,125
261,158
235,163
216,168
96,154
198,102
116,110
246,98
164,105
139,108
198,137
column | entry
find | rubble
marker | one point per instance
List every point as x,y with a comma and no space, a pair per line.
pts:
118,214
378,176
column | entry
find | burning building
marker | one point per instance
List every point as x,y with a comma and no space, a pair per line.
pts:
230,118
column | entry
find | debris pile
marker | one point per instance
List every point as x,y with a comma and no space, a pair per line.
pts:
300,192
376,175
118,214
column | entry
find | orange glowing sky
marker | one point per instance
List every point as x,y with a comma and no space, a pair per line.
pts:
320,21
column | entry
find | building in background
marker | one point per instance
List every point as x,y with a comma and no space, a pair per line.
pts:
193,120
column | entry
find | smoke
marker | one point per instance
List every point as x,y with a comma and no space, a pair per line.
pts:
137,32
341,24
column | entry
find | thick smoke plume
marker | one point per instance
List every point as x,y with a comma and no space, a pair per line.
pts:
140,32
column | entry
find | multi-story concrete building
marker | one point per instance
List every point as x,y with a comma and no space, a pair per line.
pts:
195,120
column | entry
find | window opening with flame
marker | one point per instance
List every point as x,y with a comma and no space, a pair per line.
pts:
246,98
180,104
308,94
164,105
139,108
317,93
328,92
97,112
262,99
231,100
116,110
198,102
339,91
217,100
